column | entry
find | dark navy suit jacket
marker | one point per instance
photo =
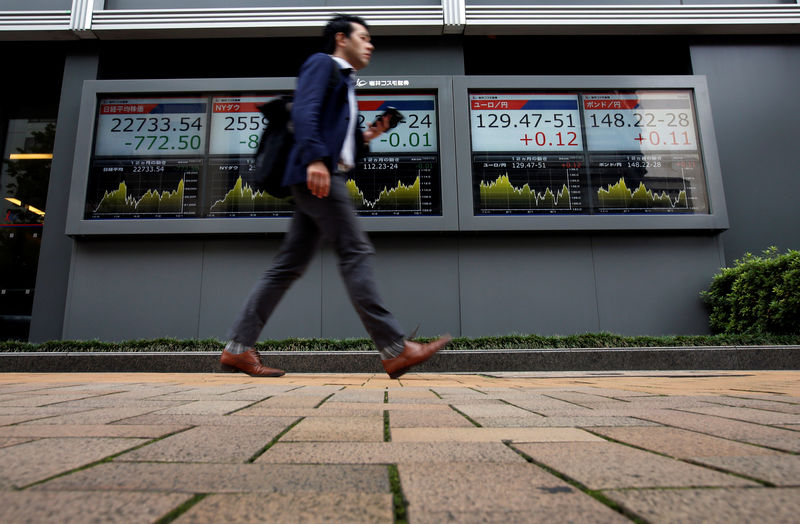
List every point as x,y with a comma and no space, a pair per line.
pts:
321,114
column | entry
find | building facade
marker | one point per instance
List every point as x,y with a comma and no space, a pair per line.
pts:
70,272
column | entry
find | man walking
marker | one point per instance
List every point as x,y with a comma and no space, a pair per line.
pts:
327,144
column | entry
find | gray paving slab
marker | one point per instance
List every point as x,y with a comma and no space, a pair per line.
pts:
586,400
747,414
206,407
353,508
427,419
780,470
100,430
115,401
95,416
225,478
681,443
473,401
104,388
45,411
500,409
387,453
771,397
6,420
550,407
783,439
781,407
358,395
411,394
353,410
149,391
495,493
211,444
203,420
723,506
33,401
285,401
355,407
306,390
434,400
339,429
207,391
12,441
475,434
561,422
457,392
22,387
31,462
606,465
565,512
669,402
403,406
78,507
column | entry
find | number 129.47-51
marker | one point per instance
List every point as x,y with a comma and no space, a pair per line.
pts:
501,120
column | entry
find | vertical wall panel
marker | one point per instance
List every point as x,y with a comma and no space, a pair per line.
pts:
122,290
231,268
753,91
650,284
526,283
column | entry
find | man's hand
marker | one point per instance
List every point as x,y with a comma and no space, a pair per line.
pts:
318,179
377,128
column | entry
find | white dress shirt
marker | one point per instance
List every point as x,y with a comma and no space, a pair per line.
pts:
347,157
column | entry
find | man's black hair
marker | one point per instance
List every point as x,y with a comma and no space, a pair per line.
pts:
339,24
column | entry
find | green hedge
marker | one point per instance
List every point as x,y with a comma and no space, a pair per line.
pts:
758,295
589,340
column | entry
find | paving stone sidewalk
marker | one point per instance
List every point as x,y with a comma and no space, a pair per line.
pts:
429,448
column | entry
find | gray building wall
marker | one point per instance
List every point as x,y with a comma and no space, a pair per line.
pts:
470,284
753,90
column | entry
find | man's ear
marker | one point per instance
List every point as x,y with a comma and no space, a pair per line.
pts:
340,38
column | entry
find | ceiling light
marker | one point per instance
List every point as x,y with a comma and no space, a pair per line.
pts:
30,156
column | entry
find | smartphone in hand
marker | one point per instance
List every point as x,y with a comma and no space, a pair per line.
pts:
395,117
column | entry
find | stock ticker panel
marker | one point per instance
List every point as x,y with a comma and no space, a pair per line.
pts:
586,153
148,158
143,188
151,152
401,175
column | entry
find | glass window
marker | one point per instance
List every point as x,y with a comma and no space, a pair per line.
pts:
27,156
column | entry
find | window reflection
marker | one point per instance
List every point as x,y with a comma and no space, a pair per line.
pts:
27,157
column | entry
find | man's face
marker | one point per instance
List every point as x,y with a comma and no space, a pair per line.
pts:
357,48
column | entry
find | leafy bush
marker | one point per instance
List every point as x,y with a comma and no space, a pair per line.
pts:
507,342
758,295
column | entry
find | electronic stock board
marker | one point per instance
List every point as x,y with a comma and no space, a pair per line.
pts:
178,157
587,153
472,153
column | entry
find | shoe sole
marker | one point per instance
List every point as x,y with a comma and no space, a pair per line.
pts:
230,369
399,373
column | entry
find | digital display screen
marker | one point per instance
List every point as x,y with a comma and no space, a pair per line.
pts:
151,127
586,153
236,124
401,176
141,167
143,188
231,191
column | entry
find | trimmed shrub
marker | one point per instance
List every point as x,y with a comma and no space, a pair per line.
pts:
758,295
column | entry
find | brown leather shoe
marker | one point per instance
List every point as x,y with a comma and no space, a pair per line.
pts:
248,362
413,354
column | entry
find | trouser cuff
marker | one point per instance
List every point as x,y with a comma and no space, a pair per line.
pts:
393,350
235,348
